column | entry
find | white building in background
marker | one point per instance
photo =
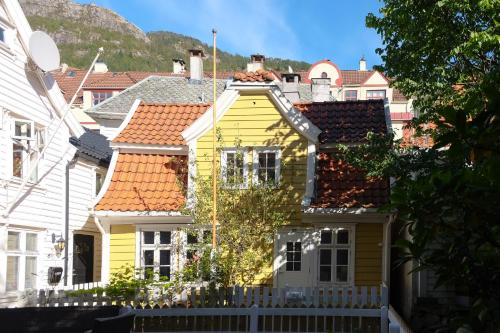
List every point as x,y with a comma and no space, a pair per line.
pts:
38,221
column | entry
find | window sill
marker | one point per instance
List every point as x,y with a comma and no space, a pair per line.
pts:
16,183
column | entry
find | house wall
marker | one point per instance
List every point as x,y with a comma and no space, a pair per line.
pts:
82,194
368,262
256,121
41,208
109,127
121,247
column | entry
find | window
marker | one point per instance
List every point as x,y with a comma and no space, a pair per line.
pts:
28,142
22,257
375,94
266,166
234,167
2,35
351,95
293,256
334,255
99,179
156,250
324,75
100,96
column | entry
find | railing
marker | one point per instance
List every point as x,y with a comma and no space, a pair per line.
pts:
250,309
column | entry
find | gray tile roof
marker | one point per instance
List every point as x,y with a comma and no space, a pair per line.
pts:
157,89
93,146
304,89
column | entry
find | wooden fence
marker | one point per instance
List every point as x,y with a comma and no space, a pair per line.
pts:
247,309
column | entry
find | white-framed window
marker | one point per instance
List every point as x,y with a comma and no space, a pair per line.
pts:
293,256
335,256
156,253
28,141
375,94
6,33
22,260
235,167
100,96
266,166
351,95
99,181
2,34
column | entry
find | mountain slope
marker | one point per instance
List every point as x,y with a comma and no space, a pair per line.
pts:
79,30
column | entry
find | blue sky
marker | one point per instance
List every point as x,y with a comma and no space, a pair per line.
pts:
308,30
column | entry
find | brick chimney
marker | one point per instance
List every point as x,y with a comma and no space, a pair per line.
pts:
179,66
256,62
362,64
320,88
291,86
196,65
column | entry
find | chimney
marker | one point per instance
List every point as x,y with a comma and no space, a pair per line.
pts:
196,65
321,89
256,62
100,67
362,64
291,86
179,66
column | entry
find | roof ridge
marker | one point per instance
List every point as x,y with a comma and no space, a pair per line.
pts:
175,104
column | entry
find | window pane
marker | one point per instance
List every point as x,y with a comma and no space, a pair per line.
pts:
98,182
30,273
22,129
289,256
31,242
289,246
343,236
17,160
296,266
326,237
262,175
325,273
271,176
2,34
325,257
165,272
13,240
341,273
12,273
165,237
298,246
207,236
192,238
342,257
262,160
190,254
271,160
148,272
164,257
149,237
289,266
149,257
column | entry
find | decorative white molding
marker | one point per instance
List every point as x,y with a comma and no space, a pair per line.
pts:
191,195
310,175
107,180
142,148
127,119
143,217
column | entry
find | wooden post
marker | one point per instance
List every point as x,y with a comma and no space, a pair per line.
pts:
384,319
394,328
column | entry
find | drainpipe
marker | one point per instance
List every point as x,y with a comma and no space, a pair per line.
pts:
69,165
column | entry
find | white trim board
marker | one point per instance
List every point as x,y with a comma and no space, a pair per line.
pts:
127,119
142,148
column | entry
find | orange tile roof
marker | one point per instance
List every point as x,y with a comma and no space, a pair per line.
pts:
258,76
146,182
160,124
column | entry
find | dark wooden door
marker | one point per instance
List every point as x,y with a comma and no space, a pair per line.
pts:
83,258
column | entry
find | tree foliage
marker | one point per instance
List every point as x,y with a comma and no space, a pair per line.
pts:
445,55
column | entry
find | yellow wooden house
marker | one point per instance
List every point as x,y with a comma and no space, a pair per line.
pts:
335,237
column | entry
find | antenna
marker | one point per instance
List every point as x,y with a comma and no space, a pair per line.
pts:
43,51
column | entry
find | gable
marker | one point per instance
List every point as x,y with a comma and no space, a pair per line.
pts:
376,79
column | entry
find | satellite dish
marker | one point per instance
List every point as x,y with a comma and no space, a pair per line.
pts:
44,52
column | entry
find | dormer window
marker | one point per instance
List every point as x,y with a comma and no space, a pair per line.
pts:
100,96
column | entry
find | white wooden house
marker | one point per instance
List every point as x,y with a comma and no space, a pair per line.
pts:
48,209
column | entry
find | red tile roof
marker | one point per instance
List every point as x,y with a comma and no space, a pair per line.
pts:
345,122
397,96
354,76
160,124
341,185
146,182
258,76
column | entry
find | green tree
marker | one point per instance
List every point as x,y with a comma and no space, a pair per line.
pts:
445,55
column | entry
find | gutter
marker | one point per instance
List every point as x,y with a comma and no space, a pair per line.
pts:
69,165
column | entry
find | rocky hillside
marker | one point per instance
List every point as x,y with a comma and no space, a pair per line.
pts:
79,30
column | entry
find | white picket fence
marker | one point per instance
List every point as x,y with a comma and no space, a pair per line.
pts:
249,309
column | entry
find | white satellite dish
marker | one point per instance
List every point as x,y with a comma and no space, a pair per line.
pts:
44,51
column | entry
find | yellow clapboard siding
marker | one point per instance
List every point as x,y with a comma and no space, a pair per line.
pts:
121,247
368,269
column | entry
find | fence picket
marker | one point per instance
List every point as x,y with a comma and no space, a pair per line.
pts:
265,297
335,296
248,300
354,296
202,297
364,296
316,297
373,296
275,297
256,295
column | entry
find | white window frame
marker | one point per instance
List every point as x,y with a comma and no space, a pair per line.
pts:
8,34
334,247
107,94
156,247
350,98
234,150
102,173
22,254
277,167
376,91
32,147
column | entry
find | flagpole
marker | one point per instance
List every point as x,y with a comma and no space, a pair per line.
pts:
214,157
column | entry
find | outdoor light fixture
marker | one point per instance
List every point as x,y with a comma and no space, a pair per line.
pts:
59,244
